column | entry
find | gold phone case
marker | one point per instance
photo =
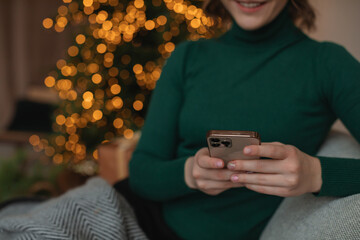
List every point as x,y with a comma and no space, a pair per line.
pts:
229,145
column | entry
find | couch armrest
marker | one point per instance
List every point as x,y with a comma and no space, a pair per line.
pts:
310,217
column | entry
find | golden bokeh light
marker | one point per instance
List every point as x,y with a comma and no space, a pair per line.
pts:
60,140
34,140
58,28
169,46
109,57
118,123
62,22
195,23
49,81
101,48
49,151
115,89
96,78
88,10
72,95
74,138
138,105
139,3
63,10
88,96
161,20
86,104
60,63
60,119
178,7
66,70
88,3
128,133
73,51
107,25
58,158
80,39
113,2
101,17
93,67
149,25
117,102
137,68
97,114
48,23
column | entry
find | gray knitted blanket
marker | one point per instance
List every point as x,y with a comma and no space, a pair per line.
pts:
93,211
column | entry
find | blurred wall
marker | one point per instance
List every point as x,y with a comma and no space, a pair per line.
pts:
27,51
339,21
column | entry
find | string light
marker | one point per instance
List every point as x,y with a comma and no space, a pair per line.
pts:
80,39
48,23
96,81
49,81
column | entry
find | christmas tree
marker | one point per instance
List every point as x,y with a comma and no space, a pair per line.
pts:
105,82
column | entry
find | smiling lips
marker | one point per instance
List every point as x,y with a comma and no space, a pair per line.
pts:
250,6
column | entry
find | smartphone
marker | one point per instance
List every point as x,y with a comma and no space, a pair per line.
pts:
229,145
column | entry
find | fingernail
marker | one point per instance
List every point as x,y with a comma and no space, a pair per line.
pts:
247,150
231,166
219,164
234,178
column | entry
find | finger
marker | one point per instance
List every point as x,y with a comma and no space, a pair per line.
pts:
269,143
211,174
260,165
270,150
209,162
275,180
217,174
277,191
216,185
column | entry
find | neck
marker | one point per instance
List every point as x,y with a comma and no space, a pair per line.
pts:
280,30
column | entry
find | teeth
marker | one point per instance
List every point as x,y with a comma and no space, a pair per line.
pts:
249,5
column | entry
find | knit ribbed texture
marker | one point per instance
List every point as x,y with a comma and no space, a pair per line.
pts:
275,81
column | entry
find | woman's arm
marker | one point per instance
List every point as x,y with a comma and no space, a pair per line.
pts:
341,176
156,172
293,172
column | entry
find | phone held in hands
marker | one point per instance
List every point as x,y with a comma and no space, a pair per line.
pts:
229,145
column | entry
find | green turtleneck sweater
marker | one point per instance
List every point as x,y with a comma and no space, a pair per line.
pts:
275,81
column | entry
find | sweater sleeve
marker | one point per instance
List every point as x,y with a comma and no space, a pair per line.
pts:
156,172
341,176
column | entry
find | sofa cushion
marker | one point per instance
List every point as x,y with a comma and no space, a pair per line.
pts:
310,217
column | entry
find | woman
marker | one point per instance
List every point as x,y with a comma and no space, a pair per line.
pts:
263,75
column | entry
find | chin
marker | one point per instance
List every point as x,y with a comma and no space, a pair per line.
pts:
250,24
253,14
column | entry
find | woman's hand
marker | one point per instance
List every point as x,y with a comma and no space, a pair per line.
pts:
290,172
208,174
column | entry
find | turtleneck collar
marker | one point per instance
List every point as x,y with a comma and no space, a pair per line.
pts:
281,30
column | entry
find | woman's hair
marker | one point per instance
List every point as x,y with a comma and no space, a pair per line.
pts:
302,13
